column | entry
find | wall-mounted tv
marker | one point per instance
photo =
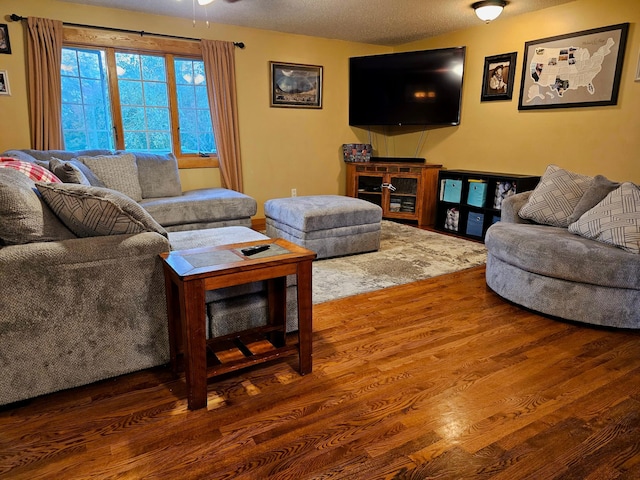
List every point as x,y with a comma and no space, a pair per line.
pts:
409,88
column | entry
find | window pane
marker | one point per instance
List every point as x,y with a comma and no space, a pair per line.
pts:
130,92
196,132
144,102
84,93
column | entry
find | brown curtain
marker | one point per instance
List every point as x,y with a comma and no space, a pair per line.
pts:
219,64
44,56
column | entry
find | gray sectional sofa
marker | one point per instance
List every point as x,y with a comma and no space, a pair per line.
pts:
159,190
83,298
571,249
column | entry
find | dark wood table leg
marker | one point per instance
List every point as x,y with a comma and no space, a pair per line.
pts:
195,343
173,318
305,328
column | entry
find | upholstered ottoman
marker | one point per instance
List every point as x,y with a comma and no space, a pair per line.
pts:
330,225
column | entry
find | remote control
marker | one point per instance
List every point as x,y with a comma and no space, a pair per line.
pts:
253,250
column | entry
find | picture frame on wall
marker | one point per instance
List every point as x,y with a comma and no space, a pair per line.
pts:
498,76
580,69
4,83
5,44
296,85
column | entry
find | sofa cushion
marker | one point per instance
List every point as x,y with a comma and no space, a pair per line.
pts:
555,197
24,216
201,206
94,211
31,170
158,175
615,220
557,253
67,172
118,172
600,188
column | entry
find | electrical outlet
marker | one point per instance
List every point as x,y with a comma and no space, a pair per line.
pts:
294,192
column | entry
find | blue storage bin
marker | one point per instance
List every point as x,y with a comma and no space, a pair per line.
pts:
477,194
474,224
452,190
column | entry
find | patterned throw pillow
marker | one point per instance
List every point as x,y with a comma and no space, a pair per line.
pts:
118,172
31,170
615,220
94,211
555,198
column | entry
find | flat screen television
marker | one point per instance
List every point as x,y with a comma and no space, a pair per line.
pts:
409,88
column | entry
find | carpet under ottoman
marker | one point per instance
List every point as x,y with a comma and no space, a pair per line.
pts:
330,225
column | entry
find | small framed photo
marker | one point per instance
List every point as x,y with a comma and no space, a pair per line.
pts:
498,76
294,85
4,83
638,70
5,46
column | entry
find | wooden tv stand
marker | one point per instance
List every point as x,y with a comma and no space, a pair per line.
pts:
405,191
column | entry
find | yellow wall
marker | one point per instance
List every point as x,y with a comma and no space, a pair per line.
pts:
284,148
495,136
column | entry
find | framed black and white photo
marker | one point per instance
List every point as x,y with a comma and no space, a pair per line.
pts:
4,83
580,69
5,45
294,85
498,75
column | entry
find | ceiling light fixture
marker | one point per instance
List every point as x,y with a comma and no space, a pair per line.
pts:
204,2
487,10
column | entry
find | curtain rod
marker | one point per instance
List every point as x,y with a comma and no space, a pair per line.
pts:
16,18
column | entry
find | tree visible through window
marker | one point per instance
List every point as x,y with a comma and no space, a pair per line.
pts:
156,96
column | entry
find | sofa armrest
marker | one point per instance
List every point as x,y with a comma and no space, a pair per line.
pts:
80,310
511,206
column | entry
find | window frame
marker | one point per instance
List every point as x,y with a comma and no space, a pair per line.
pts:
110,41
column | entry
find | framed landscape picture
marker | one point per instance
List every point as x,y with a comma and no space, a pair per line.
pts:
294,85
497,79
579,69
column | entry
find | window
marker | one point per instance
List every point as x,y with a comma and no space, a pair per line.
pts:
158,102
86,116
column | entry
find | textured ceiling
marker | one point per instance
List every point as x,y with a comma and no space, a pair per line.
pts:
383,22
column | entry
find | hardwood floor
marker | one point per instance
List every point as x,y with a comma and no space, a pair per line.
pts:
437,379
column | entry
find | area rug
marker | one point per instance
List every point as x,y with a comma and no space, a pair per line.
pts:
407,254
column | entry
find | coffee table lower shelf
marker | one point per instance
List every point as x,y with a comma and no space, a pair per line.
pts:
244,349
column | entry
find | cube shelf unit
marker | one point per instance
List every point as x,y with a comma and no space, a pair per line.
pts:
405,191
475,198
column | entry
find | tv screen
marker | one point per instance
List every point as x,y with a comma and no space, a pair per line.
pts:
409,88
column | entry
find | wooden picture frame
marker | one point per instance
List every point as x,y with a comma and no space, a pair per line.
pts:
560,72
4,83
498,76
295,85
5,44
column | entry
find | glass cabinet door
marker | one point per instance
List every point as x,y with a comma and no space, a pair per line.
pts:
370,188
403,195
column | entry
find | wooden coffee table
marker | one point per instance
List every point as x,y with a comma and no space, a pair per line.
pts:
189,273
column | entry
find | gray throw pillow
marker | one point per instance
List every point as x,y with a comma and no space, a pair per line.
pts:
118,172
555,197
600,188
158,175
67,172
24,217
615,220
94,211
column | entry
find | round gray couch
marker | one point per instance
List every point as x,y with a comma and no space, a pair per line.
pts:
552,271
